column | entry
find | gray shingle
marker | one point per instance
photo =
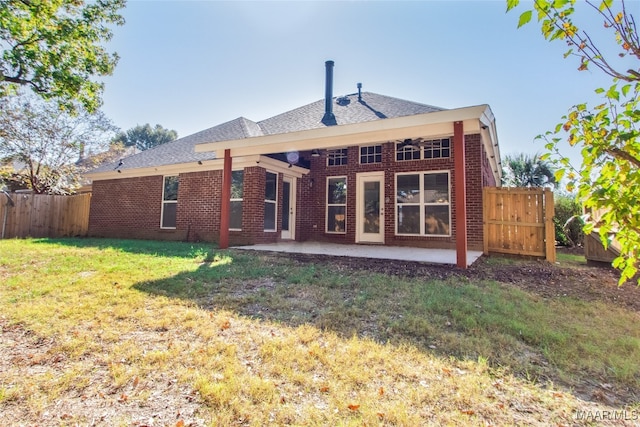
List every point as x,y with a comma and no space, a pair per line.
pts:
347,110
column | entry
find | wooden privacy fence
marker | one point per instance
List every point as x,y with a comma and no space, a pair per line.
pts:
42,215
519,221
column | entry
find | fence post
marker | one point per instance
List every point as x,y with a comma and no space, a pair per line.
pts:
549,228
485,221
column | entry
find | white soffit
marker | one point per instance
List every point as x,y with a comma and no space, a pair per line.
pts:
205,165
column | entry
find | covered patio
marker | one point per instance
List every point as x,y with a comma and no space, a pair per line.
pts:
399,253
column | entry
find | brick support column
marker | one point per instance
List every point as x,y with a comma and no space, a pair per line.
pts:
225,203
461,194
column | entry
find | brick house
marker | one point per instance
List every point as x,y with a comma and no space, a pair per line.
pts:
362,168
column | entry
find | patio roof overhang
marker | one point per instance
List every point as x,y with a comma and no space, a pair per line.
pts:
476,120
202,166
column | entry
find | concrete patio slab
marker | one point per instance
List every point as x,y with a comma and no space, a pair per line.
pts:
402,253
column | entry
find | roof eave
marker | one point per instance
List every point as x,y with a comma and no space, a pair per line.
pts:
202,166
434,123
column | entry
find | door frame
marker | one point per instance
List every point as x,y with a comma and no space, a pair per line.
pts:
291,233
361,236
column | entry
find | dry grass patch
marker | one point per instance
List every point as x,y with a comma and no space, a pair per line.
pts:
152,333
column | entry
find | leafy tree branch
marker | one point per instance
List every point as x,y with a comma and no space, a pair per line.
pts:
608,134
56,48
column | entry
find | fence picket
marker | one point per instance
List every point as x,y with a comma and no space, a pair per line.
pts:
519,221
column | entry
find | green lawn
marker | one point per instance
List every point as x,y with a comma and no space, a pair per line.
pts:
124,331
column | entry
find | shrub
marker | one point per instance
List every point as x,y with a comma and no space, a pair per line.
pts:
567,207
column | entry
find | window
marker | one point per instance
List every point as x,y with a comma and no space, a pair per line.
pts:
337,157
270,201
372,154
423,149
169,202
336,204
437,148
237,184
423,204
407,150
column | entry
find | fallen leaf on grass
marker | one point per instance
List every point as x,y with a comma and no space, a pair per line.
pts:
381,391
123,398
136,380
353,407
380,415
180,423
324,389
468,412
225,325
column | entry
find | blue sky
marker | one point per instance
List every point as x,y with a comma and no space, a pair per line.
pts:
191,65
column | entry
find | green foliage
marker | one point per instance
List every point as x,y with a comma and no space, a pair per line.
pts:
55,47
523,170
47,143
608,135
144,137
568,220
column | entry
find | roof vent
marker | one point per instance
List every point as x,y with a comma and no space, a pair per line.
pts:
343,100
359,92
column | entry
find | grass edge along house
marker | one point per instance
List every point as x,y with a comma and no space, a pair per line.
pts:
359,169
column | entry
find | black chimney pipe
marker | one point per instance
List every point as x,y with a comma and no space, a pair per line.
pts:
329,118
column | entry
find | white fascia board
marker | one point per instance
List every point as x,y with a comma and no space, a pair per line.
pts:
427,124
490,141
207,165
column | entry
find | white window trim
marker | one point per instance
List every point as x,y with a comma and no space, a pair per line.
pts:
167,202
421,203
421,150
345,157
327,205
275,202
450,138
367,146
238,200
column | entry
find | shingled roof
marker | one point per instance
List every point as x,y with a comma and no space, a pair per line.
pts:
348,109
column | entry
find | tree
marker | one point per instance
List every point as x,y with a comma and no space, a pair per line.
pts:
608,180
47,142
55,48
144,137
523,170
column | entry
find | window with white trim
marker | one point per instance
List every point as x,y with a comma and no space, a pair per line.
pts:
411,149
337,157
407,150
336,204
437,148
270,201
169,202
371,154
237,189
423,205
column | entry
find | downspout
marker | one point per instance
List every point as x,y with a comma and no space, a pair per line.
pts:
6,211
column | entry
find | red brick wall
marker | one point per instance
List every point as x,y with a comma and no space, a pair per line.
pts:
129,208
132,207
253,209
199,205
311,213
